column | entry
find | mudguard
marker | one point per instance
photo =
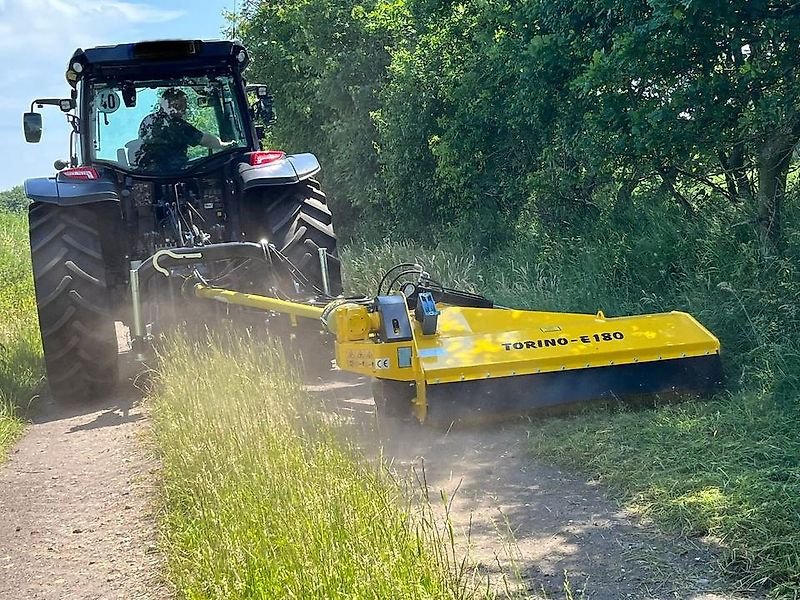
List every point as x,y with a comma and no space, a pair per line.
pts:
293,169
51,190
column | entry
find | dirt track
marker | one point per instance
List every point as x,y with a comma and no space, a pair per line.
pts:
562,525
76,505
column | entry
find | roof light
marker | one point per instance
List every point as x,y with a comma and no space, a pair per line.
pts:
84,173
77,67
258,159
242,56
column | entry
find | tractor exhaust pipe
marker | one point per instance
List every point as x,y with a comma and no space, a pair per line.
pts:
138,337
323,268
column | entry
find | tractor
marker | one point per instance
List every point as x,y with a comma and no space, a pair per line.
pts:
165,164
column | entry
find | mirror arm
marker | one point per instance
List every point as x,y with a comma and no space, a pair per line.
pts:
59,102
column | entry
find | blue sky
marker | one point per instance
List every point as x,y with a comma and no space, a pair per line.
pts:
37,38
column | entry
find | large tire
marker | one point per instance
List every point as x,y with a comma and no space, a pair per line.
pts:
299,224
77,327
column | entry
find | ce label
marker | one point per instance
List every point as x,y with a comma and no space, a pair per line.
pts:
383,363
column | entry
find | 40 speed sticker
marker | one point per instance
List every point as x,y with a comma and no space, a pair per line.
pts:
606,336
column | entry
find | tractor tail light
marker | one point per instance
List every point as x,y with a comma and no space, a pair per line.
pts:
266,157
85,173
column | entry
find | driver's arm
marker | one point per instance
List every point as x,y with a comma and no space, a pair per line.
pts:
209,140
195,137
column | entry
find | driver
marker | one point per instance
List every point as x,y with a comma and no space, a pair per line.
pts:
166,135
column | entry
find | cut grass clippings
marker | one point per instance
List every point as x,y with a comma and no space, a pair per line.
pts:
20,346
262,501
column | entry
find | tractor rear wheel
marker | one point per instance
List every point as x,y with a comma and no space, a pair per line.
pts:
77,327
299,224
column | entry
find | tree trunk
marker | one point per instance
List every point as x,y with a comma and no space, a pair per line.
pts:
669,178
625,191
730,180
736,163
773,166
736,179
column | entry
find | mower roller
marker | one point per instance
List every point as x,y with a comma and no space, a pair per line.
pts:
443,355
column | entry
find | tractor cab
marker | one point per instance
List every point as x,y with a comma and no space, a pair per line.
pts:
161,128
160,108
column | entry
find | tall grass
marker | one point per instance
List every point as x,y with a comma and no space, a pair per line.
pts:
262,500
20,346
728,467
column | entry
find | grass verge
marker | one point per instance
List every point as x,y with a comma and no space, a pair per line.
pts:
263,501
728,467
20,346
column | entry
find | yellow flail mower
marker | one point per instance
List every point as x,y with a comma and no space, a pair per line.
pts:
444,355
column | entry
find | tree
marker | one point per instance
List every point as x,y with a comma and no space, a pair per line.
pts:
324,61
14,199
701,91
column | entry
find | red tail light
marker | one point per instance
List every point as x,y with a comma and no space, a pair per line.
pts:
258,159
85,173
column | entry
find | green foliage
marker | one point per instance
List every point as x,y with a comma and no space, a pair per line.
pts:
263,500
323,60
20,346
476,118
14,200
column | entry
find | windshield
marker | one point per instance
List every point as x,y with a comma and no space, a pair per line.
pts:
171,126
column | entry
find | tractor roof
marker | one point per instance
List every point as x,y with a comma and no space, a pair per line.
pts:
154,58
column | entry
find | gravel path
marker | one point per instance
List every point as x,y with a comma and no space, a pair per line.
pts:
76,505
560,527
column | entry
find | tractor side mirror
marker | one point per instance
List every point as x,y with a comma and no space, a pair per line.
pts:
32,126
129,94
264,109
267,110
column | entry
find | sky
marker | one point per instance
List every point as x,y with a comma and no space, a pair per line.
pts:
37,38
